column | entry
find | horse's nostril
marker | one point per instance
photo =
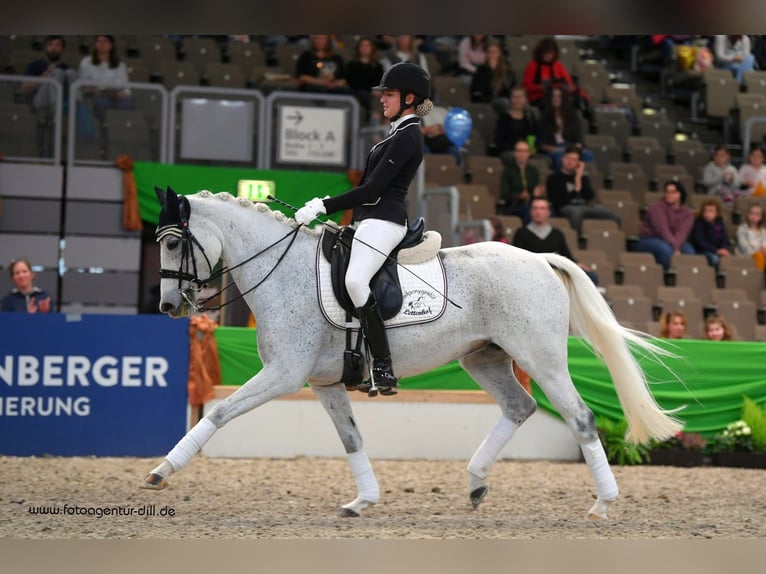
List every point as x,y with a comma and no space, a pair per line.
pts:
165,307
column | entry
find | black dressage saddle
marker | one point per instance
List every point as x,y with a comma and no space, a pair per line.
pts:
336,248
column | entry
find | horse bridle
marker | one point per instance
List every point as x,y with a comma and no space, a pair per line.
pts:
181,231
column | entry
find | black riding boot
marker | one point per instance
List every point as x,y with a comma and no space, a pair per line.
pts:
377,340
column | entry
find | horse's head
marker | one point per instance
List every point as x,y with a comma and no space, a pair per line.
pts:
186,260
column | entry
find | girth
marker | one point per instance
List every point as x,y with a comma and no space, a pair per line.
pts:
336,248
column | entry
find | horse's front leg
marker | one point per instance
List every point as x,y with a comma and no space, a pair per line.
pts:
269,383
334,399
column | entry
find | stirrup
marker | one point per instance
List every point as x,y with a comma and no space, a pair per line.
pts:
383,379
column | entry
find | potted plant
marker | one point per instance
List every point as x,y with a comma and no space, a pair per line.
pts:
683,449
618,450
743,442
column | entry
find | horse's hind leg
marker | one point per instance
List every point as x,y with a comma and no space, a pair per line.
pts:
334,399
492,369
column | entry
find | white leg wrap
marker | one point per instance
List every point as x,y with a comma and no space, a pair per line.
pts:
361,470
595,457
191,444
487,452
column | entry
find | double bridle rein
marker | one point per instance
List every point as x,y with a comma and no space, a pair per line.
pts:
187,270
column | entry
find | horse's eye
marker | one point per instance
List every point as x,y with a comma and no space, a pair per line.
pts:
172,244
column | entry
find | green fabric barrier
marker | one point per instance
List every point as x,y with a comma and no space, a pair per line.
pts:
709,378
293,187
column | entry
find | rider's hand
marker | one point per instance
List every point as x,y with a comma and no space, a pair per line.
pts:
309,212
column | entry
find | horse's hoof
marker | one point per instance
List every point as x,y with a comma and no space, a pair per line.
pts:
348,513
154,481
599,511
477,496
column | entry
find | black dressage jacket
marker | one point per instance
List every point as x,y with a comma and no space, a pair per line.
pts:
391,167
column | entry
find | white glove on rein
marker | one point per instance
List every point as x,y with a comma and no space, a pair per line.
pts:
310,210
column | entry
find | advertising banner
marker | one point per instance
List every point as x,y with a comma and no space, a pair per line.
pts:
104,385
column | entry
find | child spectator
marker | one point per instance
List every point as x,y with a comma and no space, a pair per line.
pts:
717,329
709,235
753,172
471,53
751,236
721,178
673,325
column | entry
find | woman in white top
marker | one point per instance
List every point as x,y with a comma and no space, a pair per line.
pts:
472,53
733,53
103,67
753,172
751,236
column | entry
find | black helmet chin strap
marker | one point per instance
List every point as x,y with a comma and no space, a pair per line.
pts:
403,104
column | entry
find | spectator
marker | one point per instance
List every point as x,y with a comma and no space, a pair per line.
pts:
435,139
571,193
517,123
673,325
25,297
546,71
519,183
471,53
560,127
666,226
492,82
405,50
42,96
363,72
498,233
709,235
733,53
717,329
721,178
320,69
751,236
104,68
753,172
539,236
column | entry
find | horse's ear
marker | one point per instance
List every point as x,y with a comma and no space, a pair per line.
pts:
160,193
172,210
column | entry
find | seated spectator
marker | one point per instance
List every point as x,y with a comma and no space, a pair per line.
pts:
320,69
405,50
571,194
733,53
519,184
492,81
709,235
104,68
539,236
717,329
435,139
753,172
560,127
721,178
666,226
364,72
517,123
546,71
471,53
42,96
25,297
751,236
673,325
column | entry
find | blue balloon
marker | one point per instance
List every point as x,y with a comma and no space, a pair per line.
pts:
458,125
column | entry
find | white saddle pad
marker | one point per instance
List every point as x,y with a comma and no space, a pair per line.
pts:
423,293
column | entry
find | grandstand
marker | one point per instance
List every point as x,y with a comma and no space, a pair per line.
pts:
652,121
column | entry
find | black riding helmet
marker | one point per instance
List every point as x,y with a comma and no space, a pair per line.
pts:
408,78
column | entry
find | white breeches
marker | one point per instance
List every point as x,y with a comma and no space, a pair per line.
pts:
365,262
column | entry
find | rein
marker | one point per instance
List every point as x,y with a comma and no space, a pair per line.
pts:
188,241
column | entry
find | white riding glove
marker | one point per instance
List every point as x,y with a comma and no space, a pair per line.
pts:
310,210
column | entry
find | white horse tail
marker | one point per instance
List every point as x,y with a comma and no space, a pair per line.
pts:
592,319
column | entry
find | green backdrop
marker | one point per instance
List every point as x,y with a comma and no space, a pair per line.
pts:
293,187
710,378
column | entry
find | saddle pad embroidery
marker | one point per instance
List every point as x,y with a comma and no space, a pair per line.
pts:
421,303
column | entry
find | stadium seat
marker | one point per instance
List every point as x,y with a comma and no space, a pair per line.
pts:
178,73
450,91
154,50
604,235
605,150
685,300
598,261
476,202
736,275
201,52
137,70
442,169
627,209
246,56
486,170
224,75
631,309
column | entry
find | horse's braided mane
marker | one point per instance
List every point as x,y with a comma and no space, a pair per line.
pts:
259,207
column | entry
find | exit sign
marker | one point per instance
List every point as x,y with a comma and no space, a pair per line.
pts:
256,189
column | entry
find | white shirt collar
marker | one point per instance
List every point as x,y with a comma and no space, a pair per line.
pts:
398,122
